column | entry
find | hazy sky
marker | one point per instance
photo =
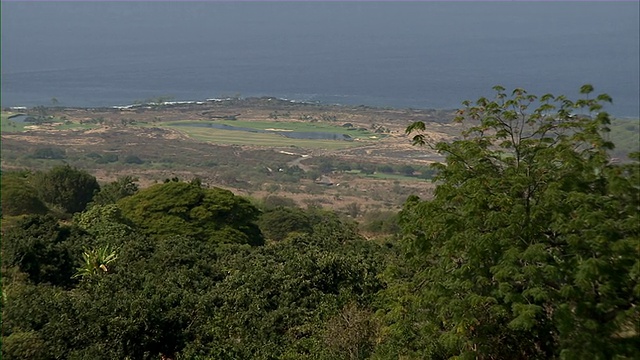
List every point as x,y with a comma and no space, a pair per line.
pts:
58,34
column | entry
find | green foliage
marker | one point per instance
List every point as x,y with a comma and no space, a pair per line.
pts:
381,222
49,153
19,197
351,333
275,299
529,247
183,298
276,224
43,249
407,170
28,313
325,167
105,159
387,169
116,190
274,201
67,187
95,262
177,208
105,223
24,345
133,159
330,227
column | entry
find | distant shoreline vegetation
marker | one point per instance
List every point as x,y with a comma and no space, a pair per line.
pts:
169,101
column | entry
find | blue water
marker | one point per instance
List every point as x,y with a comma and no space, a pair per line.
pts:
19,118
416,54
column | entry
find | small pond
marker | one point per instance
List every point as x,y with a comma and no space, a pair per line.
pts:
314,135
19,118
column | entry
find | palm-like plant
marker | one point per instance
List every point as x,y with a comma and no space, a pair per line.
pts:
95,261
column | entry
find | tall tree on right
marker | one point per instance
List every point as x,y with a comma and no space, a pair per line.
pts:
530,247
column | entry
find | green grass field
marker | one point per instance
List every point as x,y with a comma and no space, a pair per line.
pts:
281,125
229,137
237,137
7,125
76,126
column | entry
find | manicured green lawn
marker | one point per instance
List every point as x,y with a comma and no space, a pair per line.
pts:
72,126
7,125
219,136
239,137
282,125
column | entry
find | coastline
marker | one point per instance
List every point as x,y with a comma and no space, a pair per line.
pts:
230,100
247,101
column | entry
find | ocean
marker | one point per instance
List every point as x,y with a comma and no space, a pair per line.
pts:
400,54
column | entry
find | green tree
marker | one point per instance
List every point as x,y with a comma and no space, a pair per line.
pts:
274,201
24,345
43,249
331,227
278,223
49,153
275,300
351,333
116,190
325,166
178,208
180,297
529,248
105,223
28,313
67,187
385,169
381,222
106,158
133,159
19,197
407,170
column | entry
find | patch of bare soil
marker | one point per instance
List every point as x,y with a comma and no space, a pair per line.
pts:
53,137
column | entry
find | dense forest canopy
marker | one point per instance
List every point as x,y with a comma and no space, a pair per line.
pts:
529,249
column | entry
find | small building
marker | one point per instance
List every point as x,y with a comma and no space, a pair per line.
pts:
324,180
